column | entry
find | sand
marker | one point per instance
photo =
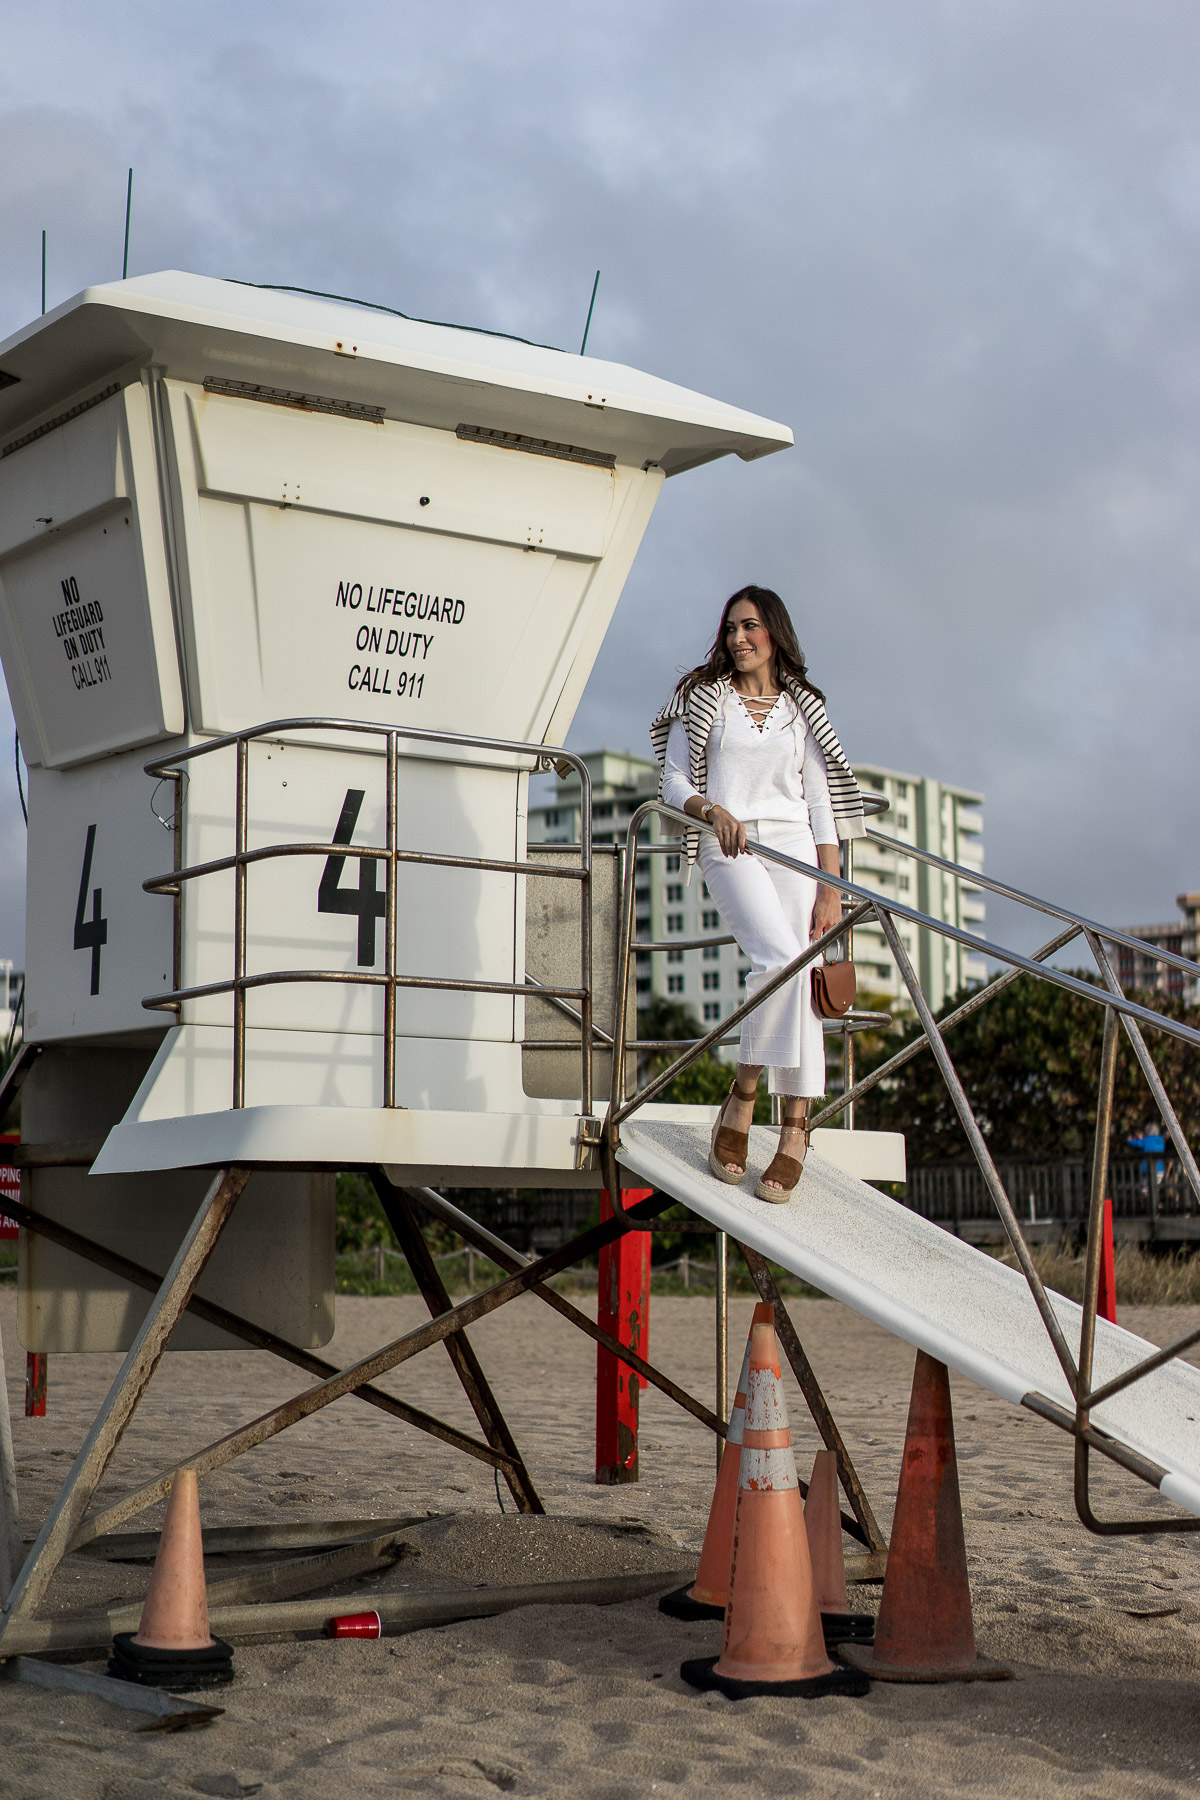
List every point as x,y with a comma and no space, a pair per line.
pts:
587,1701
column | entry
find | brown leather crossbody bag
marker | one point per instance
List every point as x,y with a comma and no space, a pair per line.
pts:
834,986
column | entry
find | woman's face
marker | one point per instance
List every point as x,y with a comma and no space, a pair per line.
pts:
750,645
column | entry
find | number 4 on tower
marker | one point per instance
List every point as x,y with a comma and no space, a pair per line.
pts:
363,902
90,934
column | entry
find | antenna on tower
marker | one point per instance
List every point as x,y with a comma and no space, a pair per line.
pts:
128,210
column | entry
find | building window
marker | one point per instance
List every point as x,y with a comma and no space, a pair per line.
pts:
712,1011
902,883
742,974
902,821
642,865
704,893
672,865
602,809
643,986
674,984
902,790
674,921
711,952
711,920
674,955
551,817
712,978
642,896
674,893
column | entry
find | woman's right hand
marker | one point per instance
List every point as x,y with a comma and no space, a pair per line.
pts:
731,833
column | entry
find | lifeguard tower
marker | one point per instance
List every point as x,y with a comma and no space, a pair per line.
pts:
294,598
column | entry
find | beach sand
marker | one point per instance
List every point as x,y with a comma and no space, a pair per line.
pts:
1104,1633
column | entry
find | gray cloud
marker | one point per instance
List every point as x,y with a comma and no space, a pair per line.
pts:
953,247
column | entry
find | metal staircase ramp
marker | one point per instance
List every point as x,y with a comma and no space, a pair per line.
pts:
928,1288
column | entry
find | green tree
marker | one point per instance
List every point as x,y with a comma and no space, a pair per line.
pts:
1029,1061
704,1082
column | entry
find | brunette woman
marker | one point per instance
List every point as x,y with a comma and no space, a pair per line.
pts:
745,745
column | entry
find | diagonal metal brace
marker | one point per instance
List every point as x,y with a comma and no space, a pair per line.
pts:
133,1377
258,1335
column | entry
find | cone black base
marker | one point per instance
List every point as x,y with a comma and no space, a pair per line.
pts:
702,1673
848,1628
178,1671
839,1628
679,1605
863,1657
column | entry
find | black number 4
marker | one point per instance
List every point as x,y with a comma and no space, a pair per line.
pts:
90,934
362,902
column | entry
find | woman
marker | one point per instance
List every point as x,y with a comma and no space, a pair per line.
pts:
745,746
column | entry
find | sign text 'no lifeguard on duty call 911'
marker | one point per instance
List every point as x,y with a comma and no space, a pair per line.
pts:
222,506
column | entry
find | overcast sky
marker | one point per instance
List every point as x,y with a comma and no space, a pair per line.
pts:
953,246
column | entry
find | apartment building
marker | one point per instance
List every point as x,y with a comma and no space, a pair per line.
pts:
1138,970
710,980
948,822
12,983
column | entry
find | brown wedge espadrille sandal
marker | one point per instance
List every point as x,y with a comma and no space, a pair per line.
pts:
786,1170
728,1146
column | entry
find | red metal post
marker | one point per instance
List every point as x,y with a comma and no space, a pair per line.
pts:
35,1385
1106,1298
624,1310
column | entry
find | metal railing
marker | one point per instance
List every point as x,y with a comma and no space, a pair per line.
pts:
390,854
1120,1014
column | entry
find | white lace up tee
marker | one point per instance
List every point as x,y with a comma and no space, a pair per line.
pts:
776,773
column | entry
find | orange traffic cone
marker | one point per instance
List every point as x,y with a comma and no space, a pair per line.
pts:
924,1631
706,1597
173,1647
823,1526
773,1639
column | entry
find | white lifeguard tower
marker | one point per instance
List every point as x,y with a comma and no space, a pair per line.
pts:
336,579
223,507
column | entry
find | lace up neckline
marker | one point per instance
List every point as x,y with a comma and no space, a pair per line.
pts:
758,707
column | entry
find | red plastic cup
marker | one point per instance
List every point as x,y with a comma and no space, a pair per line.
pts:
354,1625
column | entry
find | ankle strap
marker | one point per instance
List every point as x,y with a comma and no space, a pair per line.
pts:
746,1099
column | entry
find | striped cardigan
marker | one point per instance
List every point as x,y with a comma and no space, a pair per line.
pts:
698,712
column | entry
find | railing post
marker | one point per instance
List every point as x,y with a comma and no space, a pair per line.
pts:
240,874
847,859
586,1009
721,1403
389,931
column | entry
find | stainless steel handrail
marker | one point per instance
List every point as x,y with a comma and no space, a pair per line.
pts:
171,768
1119,1012
976,878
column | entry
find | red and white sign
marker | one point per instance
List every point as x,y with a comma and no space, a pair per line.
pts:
10,1187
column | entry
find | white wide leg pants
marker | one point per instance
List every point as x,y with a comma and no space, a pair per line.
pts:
769,911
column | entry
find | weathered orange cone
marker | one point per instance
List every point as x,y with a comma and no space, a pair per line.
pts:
706,1597
173,1647
924,1631
773,1638
823,1526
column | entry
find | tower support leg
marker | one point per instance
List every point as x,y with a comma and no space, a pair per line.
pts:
133,1377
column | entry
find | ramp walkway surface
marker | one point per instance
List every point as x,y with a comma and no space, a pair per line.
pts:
928,1288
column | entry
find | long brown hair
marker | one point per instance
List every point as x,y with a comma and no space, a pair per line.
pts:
789,658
